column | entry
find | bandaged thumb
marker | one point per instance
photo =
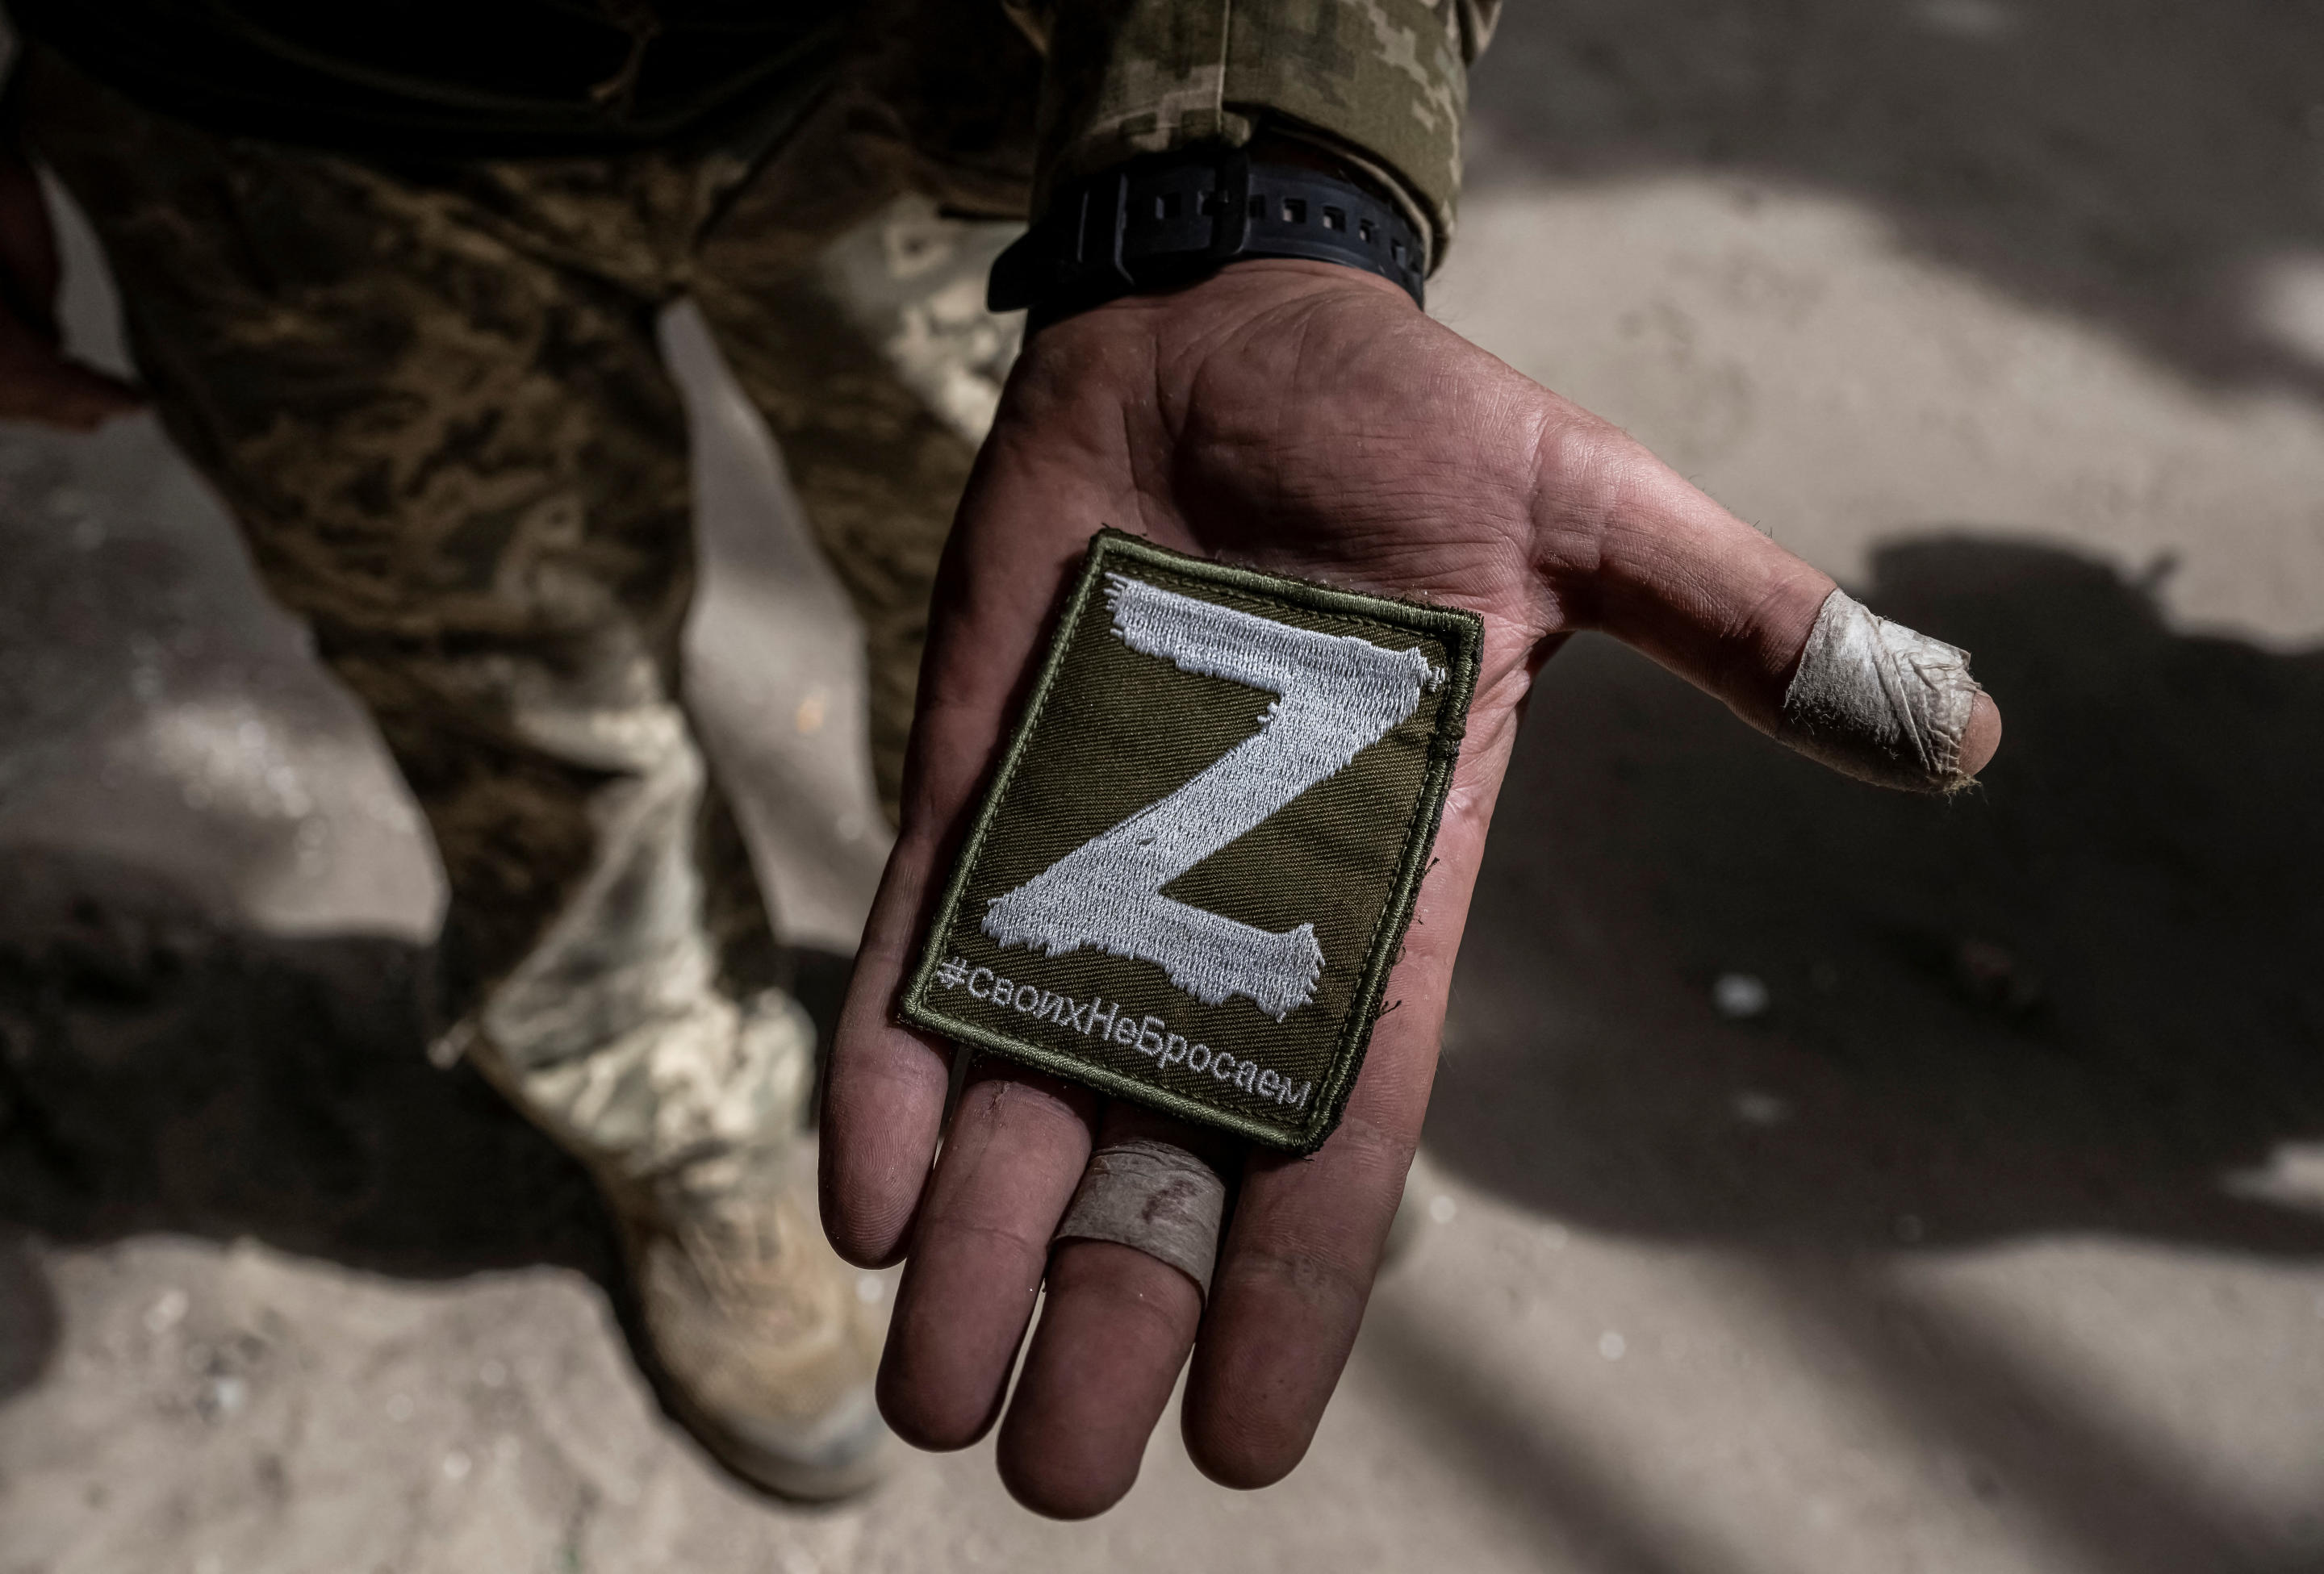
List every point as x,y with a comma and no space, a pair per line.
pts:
1877,701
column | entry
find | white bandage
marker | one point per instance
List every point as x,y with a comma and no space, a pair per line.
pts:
1875,701
1155,1197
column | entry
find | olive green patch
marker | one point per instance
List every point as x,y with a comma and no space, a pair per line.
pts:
1182,1014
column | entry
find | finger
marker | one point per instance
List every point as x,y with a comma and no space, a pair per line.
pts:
1115,1329
885,1086
1296,1267
1015,1151
1631,548
1296,1273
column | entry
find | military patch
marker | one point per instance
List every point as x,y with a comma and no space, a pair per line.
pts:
1190,877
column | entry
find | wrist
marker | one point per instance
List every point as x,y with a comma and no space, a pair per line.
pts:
1281,144
1165,221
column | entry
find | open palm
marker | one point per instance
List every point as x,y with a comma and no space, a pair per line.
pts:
1304,419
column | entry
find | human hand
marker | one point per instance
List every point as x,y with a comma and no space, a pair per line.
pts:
38,381
1307,419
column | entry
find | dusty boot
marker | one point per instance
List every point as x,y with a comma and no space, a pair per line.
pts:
760,1343
764,1348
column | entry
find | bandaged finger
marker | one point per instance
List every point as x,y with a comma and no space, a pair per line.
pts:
1155,1196
1879,702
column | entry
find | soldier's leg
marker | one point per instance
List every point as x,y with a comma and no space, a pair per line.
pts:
854,316
456,453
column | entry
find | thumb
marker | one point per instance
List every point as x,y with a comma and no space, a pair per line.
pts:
1630,548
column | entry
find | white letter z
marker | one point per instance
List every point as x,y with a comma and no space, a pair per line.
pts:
1337,694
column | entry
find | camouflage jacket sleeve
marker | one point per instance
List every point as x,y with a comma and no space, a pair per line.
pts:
1386,80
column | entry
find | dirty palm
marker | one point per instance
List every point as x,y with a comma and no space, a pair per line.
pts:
1305,422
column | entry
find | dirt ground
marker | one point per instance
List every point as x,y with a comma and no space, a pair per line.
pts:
1992,1240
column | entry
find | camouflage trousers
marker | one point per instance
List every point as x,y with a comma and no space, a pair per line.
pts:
433,400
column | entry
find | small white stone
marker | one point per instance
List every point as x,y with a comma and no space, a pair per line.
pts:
1612,1346
168,1310
871,1289
455,1466
226,1397
1441,1209
1739,997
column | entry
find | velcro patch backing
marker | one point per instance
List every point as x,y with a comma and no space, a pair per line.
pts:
1190,877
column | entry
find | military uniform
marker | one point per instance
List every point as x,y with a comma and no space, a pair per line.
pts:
406,327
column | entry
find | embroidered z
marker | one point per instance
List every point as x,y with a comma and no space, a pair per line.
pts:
1335,696
1204,840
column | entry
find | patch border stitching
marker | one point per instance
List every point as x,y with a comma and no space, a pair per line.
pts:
1462,633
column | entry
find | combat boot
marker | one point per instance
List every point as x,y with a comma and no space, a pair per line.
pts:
762,1343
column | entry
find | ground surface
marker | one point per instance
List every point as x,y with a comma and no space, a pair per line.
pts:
1994,1242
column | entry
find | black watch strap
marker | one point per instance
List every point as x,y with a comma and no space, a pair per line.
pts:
1167,219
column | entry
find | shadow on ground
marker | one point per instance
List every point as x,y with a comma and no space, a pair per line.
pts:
2081,998
164,1070
161,1071
2137,163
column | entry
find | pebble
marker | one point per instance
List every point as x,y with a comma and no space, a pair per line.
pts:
224,1398
1739,997
168,1310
